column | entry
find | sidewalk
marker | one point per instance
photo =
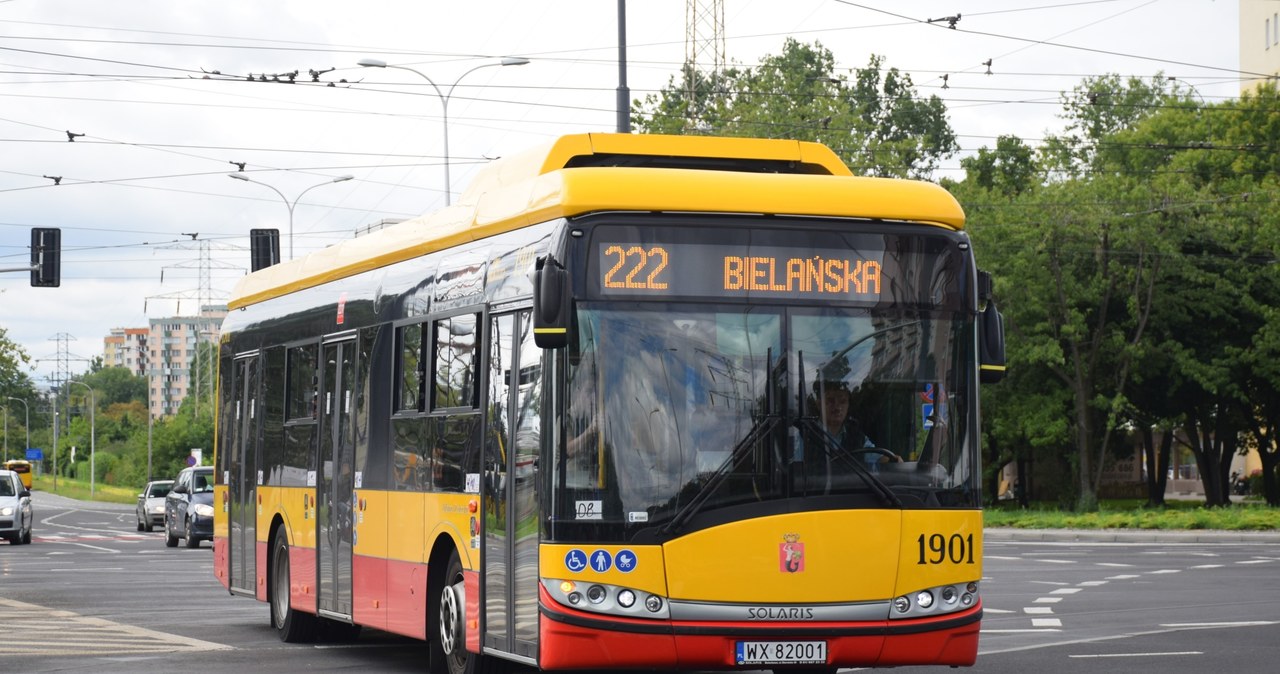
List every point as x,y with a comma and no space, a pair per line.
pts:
1131,536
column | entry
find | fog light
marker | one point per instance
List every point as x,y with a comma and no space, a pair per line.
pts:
575,598
653,602
924,599
902,604
626,599
971,587
949,595
566,586
966,599
596,594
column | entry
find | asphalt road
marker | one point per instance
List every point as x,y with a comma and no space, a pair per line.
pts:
92,594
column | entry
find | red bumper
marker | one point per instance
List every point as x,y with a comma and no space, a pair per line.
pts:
572,639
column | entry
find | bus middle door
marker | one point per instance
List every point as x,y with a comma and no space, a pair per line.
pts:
335,481
241,473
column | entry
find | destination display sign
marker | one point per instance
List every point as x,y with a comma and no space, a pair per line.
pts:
715,270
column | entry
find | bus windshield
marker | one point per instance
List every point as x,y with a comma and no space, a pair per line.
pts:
676,412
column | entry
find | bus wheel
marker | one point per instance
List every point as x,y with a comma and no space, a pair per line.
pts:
292,625
449,653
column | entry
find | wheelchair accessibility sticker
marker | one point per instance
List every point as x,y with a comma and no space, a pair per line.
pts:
575,560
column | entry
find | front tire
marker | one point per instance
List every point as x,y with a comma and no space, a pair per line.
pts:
292,625
449,654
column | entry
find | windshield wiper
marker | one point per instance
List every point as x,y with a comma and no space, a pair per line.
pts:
832,448
760,429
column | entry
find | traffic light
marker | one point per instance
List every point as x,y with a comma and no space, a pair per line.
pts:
46,257
264,248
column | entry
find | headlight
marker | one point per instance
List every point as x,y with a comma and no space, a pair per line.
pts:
203,510
157,510
6,512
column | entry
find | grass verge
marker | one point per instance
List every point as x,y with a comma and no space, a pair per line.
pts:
1135,515
79,490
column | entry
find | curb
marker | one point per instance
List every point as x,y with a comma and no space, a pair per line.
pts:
1131,536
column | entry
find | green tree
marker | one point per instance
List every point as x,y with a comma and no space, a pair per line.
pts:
876,122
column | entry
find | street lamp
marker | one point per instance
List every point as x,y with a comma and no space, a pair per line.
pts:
93,435
6,425
444,101
289,204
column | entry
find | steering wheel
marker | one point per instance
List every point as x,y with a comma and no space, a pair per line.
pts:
877,450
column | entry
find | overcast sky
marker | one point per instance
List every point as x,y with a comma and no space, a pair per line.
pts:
159,138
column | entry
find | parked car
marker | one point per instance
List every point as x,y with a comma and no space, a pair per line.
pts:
150,508
16,517
188,509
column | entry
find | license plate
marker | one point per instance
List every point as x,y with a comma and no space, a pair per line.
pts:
780,652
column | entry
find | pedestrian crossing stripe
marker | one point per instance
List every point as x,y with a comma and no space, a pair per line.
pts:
52,632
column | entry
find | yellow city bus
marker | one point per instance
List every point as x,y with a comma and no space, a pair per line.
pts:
22,467
581,419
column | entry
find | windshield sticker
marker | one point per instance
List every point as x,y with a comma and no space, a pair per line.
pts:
588,510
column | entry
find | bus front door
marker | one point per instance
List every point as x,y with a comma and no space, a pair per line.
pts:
510,585
334,480
241,475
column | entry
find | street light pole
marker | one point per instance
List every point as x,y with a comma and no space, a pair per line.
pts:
93,435
444,102
287,203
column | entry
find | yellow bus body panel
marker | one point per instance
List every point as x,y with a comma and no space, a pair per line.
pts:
848,555
648,575
957,530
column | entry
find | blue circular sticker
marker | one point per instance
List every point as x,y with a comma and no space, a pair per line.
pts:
601,561
625,561
575,560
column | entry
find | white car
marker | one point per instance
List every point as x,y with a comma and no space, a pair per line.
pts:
150,508
16,517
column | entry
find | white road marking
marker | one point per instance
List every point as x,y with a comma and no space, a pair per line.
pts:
1066,590
1135,655
1092,583
1047,600
1164,571
68,633
1038,610
1046,622
1208,566
1243,623
1114,564
1123,577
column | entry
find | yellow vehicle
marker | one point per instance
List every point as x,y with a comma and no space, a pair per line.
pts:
22,467
600,414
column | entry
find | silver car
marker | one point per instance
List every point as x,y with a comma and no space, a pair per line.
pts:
150,508
16,517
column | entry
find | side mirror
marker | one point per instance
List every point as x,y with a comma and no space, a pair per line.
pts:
264,248
550,304
25,493
179,489
991,358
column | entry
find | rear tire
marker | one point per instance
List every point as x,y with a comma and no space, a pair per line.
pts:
170,538
292,625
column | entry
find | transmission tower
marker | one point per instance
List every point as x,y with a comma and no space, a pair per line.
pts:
200,373
703,53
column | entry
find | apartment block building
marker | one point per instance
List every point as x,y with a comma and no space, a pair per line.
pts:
1259,42
165,352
